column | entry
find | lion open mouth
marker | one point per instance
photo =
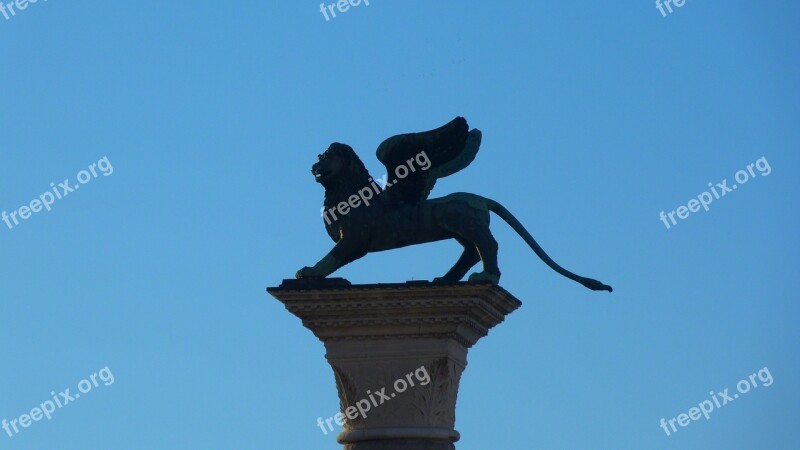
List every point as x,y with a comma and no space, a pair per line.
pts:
320,175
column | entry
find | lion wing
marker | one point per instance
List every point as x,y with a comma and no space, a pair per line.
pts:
449,149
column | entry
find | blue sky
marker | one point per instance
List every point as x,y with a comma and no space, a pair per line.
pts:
596,116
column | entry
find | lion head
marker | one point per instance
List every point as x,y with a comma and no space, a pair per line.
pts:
339,163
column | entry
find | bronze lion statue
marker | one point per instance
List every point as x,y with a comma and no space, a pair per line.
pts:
362,217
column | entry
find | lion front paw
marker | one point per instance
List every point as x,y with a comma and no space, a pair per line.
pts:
308,272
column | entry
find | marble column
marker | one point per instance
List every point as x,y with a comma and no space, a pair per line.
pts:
397,352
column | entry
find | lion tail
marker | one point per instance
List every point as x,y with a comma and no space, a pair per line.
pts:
509,218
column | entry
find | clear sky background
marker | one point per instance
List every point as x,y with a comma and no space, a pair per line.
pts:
596,116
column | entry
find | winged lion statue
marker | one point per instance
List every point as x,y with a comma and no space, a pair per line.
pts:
364,215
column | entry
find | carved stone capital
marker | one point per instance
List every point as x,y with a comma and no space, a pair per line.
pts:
397,353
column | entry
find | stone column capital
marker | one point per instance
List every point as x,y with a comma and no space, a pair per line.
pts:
408,341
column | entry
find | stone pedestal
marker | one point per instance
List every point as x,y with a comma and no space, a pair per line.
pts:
397,353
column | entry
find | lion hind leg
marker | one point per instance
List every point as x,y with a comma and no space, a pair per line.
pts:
487,248
471,228
468,258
